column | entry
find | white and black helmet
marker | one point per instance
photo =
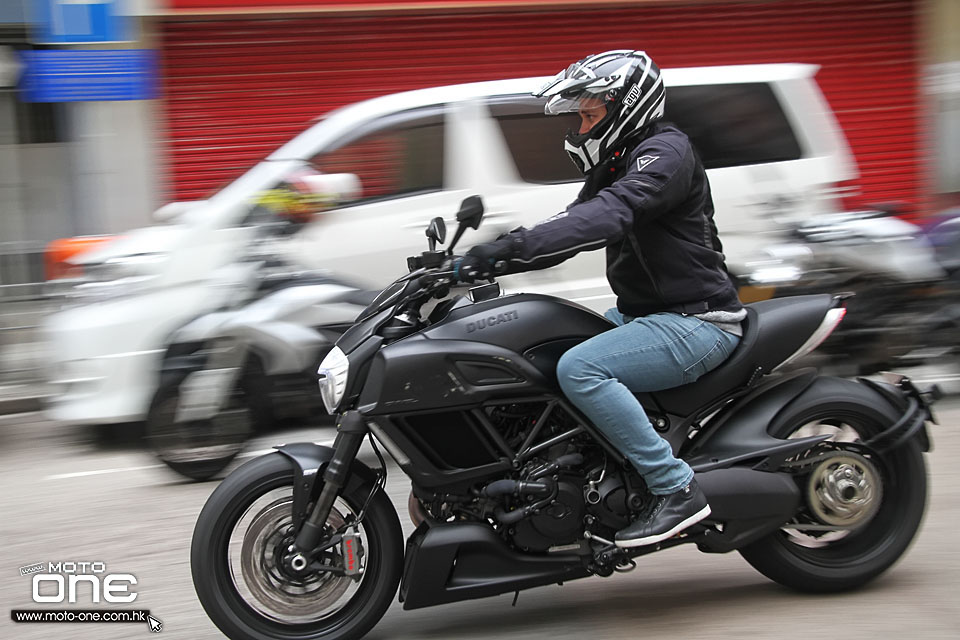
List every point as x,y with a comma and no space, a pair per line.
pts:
627,83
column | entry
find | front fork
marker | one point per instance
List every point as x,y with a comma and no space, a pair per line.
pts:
351,430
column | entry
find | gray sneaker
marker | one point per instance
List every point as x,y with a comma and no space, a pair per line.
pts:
667,516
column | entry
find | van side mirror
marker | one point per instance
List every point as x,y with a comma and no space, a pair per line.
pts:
436,232
335,188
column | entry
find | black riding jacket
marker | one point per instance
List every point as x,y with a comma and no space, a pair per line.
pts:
650,206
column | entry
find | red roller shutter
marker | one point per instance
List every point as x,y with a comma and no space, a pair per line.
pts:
237,89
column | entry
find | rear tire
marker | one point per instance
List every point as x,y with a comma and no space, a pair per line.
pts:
816,563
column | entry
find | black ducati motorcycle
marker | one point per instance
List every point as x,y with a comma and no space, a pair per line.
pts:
819,482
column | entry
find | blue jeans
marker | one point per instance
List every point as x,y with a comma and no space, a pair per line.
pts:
651,353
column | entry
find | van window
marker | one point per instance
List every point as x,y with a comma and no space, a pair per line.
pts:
733,124
396,157
729,124
535,140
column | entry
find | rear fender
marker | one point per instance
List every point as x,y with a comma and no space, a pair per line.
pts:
740,433
910,405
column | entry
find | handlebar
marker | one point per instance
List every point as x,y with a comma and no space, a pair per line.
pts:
435,281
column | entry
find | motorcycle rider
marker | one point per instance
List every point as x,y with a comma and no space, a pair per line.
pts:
646,200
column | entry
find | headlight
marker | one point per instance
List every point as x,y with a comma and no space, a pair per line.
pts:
333,374
111,279
100,291
139,264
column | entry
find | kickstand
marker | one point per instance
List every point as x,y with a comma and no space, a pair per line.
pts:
515,596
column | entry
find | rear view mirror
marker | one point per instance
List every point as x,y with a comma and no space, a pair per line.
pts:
471,212
436,232
334,188
469,216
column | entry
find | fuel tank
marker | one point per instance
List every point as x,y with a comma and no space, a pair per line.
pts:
505,347
519,322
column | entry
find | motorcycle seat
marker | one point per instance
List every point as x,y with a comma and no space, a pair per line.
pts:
772,332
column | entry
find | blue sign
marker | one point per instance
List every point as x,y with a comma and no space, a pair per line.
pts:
88,76
79,22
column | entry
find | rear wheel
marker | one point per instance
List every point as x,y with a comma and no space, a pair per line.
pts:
860,509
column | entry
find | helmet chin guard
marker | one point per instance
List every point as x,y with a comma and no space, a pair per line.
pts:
627,83
584,153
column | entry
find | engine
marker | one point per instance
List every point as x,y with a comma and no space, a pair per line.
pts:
560,522
550,501
555,500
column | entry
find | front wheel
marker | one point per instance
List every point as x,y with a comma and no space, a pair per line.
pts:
860,509
240,536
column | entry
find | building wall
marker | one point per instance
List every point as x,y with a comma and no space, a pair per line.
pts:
942,25
116,156
97,168
34,178
235,89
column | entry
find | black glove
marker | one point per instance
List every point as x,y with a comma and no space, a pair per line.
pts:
479,263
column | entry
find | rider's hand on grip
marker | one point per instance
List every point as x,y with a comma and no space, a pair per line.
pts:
482,262
469,269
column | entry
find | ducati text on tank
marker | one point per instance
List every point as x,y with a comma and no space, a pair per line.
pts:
491,321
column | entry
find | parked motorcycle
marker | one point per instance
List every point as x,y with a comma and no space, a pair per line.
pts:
252,365
818,482
906,278
232,373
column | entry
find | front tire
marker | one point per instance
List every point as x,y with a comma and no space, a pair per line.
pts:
239,584
887,495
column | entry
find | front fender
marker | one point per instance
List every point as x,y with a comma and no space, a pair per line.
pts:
201,328
283,347
309,462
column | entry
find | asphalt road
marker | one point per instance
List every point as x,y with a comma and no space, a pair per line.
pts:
67,497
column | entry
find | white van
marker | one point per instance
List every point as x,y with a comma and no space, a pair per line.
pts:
771,146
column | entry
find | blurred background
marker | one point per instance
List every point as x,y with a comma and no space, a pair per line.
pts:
136,205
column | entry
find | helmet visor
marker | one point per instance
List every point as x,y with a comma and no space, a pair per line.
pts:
576,102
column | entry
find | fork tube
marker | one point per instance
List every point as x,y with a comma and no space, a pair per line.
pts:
352,429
